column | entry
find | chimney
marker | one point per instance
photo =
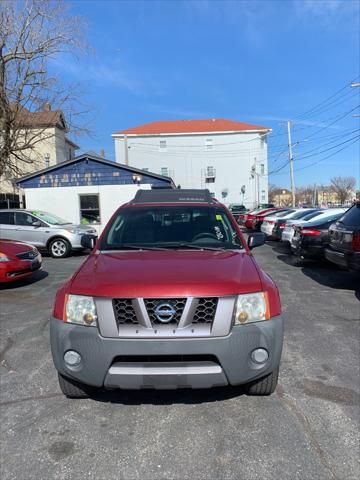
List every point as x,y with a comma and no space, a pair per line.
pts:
102,153
47,107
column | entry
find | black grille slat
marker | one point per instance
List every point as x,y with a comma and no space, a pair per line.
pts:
177,303
205,311
124,311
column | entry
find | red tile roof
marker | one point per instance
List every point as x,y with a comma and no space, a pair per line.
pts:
191,126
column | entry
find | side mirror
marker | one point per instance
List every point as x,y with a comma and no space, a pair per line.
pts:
256,240
36,224
88,241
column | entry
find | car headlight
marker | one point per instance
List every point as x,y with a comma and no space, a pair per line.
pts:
75,231
4,258
80,309
252,307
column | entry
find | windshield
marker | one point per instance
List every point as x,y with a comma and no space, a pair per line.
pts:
50,218
171,227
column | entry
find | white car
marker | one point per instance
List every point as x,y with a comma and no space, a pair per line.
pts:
269,221
288,231
295,213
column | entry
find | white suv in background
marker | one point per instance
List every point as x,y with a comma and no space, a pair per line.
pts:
43,230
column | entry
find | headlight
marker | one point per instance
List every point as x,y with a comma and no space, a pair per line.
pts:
75,231
81,310
252,307
4,258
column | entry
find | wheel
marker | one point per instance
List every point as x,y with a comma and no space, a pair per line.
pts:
263,386
59,248
72,389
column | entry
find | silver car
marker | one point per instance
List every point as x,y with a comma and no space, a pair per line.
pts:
43,230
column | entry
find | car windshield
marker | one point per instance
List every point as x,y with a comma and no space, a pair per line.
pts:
50,218
191,227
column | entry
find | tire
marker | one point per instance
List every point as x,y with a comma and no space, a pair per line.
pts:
59,248
263,386
72,389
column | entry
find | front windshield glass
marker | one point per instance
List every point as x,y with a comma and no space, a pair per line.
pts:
50,218
171,227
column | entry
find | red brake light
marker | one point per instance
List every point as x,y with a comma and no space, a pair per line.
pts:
312,232
282,225
270,222
356,242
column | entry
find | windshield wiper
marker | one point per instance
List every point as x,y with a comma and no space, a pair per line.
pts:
130,246
197,247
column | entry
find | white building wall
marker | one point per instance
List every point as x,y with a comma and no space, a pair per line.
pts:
187,157
65,201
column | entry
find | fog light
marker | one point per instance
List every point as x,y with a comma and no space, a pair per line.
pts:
259,355
72,358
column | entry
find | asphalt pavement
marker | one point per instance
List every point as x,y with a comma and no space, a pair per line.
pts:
308,429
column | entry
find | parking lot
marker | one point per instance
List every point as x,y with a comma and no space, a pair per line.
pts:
308,429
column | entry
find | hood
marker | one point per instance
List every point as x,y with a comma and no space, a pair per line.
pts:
167,274
10,247
69,226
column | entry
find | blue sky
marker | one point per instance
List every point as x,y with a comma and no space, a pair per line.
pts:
261,62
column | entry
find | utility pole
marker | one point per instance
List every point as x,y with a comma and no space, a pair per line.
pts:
126,150
291,161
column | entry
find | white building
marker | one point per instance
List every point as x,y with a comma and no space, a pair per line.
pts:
222,155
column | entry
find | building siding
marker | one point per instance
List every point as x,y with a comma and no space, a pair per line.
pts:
87,172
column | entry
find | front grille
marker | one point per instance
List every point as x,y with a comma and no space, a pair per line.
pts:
124,311
177,304
205,311
166,358
29,255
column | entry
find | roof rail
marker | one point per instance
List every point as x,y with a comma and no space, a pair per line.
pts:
173,196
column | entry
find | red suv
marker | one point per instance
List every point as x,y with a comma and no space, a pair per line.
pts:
170,297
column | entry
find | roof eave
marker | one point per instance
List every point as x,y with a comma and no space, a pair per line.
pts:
218,132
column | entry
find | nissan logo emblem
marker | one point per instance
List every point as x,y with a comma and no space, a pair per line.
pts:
164,312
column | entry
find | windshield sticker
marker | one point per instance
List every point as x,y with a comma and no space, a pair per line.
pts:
219,217
218,233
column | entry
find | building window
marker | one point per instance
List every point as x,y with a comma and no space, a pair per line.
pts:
262,169
262,195
89,209
164,171
210,175
209,144
163,145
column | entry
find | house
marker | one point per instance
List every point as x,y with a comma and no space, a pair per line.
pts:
87,189
282,197
227,157
45,133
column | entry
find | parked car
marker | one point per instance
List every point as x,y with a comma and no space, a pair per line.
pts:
18,260
44,230
251,216
259,218
237,210
281,223
270,219
266,205
311,237
288,230
170,297
344,240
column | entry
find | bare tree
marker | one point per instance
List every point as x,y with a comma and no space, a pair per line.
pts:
32,33
343,186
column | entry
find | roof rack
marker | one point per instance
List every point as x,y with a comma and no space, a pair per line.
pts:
173,196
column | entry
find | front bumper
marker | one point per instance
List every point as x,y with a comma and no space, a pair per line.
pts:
19,269
350,261
108,362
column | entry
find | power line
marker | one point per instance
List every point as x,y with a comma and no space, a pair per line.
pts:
307,112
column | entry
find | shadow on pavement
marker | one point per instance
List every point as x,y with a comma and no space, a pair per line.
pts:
37,277
168,397
328,276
